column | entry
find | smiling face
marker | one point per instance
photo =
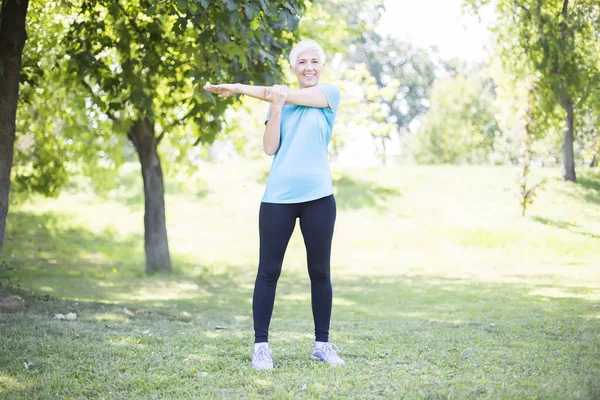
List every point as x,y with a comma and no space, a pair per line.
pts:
308,68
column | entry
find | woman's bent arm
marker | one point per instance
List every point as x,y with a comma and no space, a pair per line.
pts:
272,134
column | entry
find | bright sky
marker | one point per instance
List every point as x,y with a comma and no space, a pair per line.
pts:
436,22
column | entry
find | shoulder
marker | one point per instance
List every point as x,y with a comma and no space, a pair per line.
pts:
331,91
329,87
333,95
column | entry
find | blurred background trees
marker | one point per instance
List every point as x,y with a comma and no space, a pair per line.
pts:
108,83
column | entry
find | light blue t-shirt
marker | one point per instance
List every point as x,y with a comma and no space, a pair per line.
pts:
300,169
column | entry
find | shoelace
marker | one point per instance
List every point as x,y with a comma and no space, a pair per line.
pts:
328,350
262,354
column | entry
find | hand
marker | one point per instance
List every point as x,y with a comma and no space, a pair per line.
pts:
277,95
223,90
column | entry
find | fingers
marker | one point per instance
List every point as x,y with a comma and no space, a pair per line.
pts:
283,91
219,90
211,88
280,89
279,94
214,88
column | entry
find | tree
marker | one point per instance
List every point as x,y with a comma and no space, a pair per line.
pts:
364,112
460,126
60,132
558,42
12,40
145,62
588,128
528,191
388,58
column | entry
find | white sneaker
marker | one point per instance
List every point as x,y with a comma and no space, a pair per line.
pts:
261,359
327,354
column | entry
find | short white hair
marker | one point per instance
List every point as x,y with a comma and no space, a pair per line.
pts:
304,45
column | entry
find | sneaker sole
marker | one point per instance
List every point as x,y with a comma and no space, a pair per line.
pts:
262,369
320,359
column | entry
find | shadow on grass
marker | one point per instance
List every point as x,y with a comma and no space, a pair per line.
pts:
446,334
196,324
52,257
415,324
50,243
353,194
566,226
590,181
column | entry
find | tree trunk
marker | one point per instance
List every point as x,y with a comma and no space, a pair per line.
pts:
12,40
567,146
155,227
384,151
567,103
596,157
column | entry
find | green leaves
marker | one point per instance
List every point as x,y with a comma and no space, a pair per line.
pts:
460,126
143,50
538,38
231,6
557,44
92,67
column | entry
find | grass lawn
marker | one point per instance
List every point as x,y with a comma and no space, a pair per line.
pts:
441,291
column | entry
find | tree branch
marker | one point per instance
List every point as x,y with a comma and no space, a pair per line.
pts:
583,98
98,101
160,137
182,119
538,11
140,32
563,23
107,112
174,124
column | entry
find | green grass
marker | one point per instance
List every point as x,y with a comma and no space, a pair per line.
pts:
441,291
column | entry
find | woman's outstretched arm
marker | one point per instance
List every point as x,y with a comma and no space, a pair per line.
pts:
229,89
309,97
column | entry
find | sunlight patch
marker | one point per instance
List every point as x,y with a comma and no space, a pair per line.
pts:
94,258
8,384
560,293
296,297
171,291
292,336
193,358
109,318
427,317
127,341
343,302
263,382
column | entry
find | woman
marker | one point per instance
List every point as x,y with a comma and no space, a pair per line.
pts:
298,130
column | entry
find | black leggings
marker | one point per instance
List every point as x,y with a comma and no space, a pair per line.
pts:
276,225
